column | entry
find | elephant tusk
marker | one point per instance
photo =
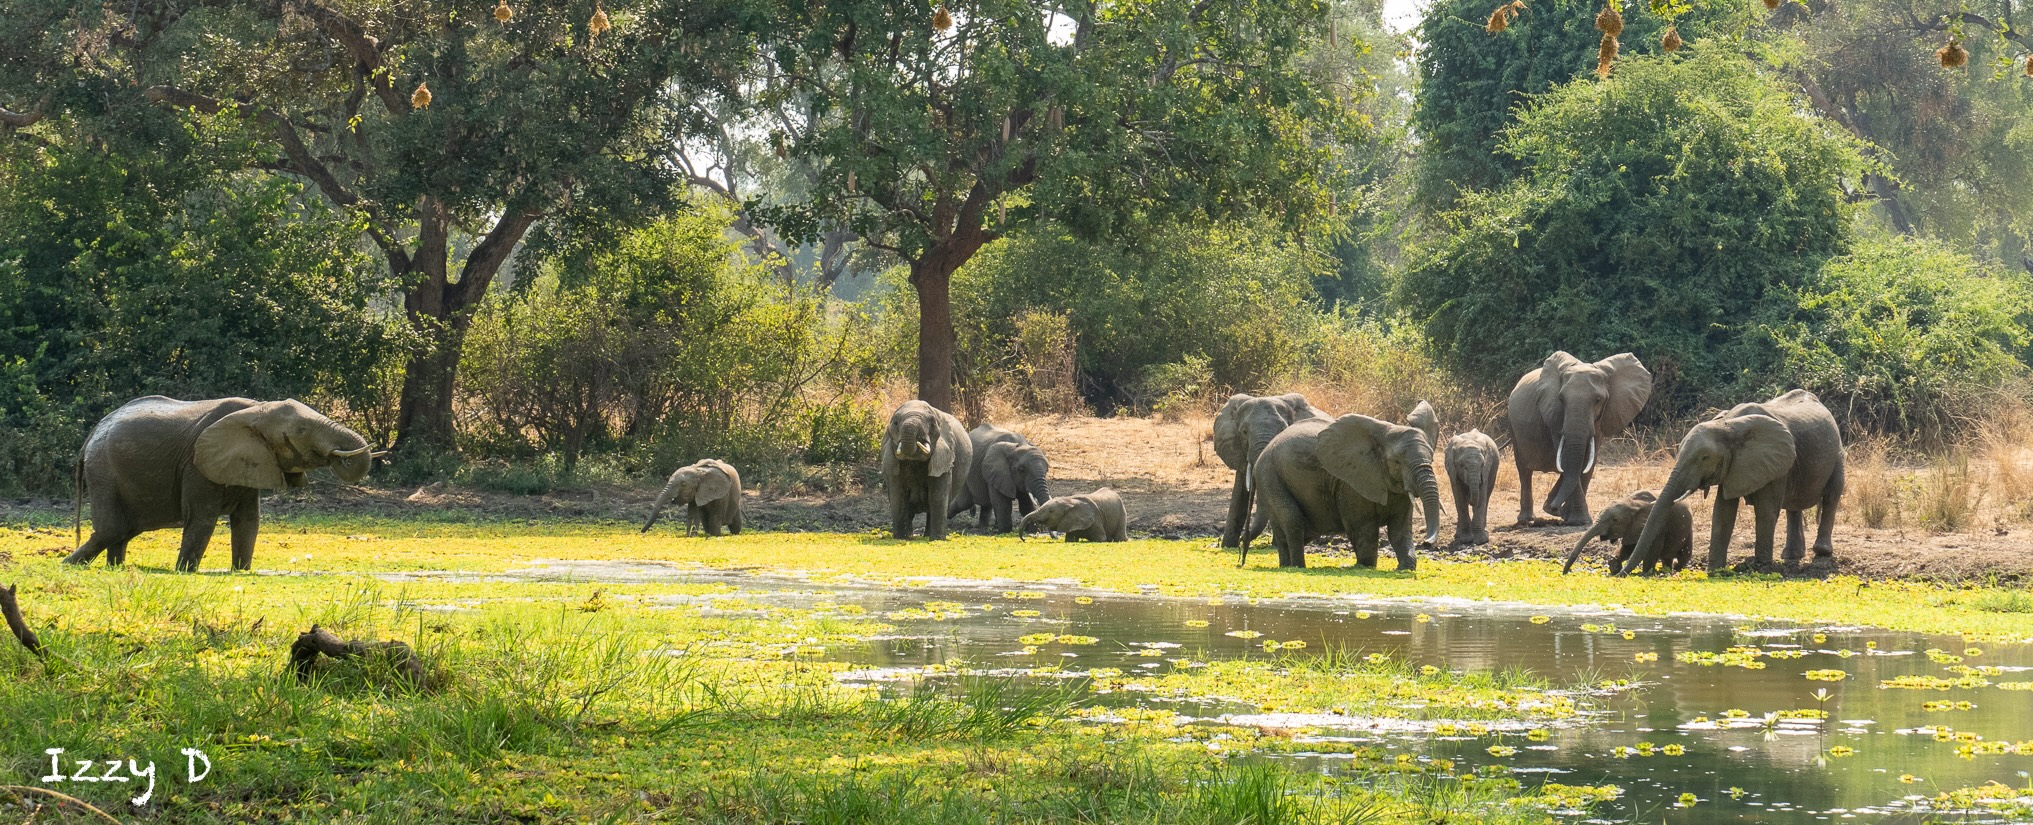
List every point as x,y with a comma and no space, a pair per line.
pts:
1559,466
1591,458
1249,477
377,454
363,450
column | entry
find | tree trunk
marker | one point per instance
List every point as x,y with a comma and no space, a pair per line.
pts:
932,275
439,312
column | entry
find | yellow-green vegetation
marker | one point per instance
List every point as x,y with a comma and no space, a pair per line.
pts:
1342,682
559,701
1185,568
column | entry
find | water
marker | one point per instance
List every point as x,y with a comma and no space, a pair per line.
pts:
1746,769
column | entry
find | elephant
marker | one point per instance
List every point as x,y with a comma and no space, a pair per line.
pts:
711,491
1559,413
1472,463
1350,476
158,462
1622,521
1096,516
1008,470
925,460
1782,454
1244,427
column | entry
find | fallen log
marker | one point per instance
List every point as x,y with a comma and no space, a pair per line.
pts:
398,657
11,609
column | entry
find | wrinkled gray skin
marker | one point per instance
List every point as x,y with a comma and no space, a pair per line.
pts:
1560,414
1350,477
1621,522
1472,463
158,462
1008,471
1096,516
711,492
1782,454
925,460
1243,428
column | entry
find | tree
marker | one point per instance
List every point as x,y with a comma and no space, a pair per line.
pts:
454,130
1660,212
937,130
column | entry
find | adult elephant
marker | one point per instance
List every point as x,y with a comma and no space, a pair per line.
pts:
1559,414
1008,471
158,462
1243,428
1350,477
925,460
1782,454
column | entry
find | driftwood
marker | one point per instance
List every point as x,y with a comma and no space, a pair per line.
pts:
398,657
12,610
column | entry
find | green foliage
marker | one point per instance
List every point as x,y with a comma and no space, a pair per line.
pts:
1666,212
1472,83
672,347
124,275
1232,298
1904,335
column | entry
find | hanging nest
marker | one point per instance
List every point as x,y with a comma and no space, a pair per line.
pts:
1774,4
502,13
942,19
2029,65
1502,17
421,98
1953,55
1605,55
598,25
1610,22
1671,42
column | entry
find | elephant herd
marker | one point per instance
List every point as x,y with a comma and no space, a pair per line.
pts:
1299,472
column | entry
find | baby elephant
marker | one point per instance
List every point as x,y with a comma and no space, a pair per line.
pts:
1096,516
1472,461
1624,521
711,491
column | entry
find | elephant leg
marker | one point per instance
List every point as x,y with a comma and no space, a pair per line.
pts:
1766,518
197,533
1626,547
939,489
899,511
709,518
1796,537
1399,530
244,523
1723,523
105,541
1824,535
1464,522
1524,497
1238,513
1482,509
1364,541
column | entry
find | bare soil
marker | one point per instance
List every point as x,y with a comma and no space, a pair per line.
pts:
1176,488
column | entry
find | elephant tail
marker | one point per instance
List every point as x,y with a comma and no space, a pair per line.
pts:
78,500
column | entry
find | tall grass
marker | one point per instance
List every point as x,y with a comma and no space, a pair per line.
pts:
1948,496
1871,488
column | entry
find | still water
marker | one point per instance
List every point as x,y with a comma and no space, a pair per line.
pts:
1881,754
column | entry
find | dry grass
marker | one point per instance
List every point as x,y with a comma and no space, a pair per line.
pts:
1947,497
1871,487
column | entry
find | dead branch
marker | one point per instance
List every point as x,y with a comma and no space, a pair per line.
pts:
304,653
12,610
62,798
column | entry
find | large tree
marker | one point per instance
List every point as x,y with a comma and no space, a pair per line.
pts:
453,129
937,129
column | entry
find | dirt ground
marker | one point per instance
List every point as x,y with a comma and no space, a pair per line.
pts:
1176,488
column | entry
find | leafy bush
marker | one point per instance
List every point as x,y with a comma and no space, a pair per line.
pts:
1234,296
1904,336
669,346
1668,212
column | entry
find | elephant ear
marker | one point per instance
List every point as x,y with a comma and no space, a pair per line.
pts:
1424,418
1552,373
1081,516
996,468
1763,451
713,486
1644,495
235,451
945,431
1228,432
1630,386
1352,449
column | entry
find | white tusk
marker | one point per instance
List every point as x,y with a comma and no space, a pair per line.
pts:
1249,478
1591,458
1558,467
351,453
377,454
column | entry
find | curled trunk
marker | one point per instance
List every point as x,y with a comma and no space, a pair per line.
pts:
1677,486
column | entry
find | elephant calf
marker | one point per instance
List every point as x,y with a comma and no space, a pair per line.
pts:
1472,461
1096,516
925,460
1622,522
711,491
158,462
1009,471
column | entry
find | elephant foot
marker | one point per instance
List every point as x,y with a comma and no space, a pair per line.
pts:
1754,566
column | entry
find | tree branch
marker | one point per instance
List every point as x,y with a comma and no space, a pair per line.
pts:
19,120
366,52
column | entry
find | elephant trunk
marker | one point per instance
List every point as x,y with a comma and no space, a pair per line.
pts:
1036,488
352,465
1024,525
1594,531
1678,485
1573,458
1428,488
663,499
